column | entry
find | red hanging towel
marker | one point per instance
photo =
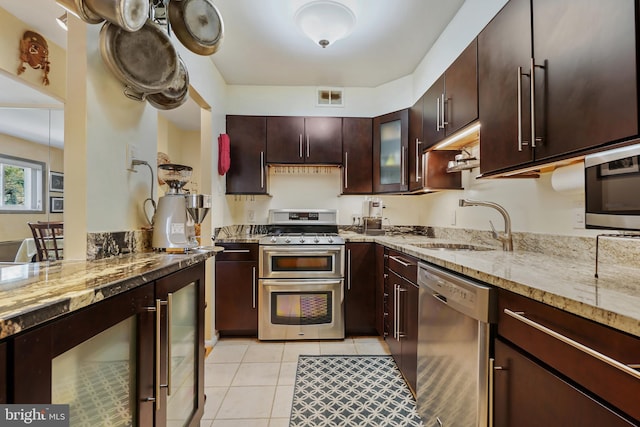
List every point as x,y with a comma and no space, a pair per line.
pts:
224,156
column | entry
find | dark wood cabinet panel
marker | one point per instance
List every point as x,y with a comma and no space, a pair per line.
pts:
381,293
416,144
528,395
451,102
390,152
247,173
585,78
236,293
313,140
432,112
402,292
609,383
285,139
357,171
323,143
461,90
586,94
360,289
504,47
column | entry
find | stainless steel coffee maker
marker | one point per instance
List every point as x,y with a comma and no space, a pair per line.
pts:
372,216
174,222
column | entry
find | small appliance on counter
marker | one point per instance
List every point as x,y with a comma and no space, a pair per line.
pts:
372,216
178,212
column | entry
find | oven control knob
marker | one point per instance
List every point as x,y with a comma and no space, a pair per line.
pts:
330,239
316,240
301,239
273,239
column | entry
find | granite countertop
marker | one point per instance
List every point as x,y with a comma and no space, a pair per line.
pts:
34,293
613,299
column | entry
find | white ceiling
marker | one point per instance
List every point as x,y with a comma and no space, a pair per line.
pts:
263,46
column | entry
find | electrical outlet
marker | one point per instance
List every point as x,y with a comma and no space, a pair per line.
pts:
251,215
131,154
578,218
453,217
355,219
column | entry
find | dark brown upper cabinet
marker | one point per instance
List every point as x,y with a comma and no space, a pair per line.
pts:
247,173
357,171
451,102
416,144
581,57
312,140
390,152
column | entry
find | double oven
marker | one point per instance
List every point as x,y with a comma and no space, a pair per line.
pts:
301,277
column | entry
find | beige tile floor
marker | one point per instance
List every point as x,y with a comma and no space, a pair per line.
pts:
249,383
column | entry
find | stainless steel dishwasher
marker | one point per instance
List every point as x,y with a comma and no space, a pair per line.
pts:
455,314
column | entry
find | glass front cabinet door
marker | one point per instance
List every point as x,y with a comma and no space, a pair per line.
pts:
134,359
390,152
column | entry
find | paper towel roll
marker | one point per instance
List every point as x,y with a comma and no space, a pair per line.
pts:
568,178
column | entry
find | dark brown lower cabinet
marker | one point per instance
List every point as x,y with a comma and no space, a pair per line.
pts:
236,292
107,355
529,395
359,293
3,373
401,324
561,369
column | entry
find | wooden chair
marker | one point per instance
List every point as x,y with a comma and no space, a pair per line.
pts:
48,239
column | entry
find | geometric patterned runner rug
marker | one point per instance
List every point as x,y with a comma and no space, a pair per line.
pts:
351,391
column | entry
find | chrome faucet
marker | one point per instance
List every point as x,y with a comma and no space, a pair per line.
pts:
505,238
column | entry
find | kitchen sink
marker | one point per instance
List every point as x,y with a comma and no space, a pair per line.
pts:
452,246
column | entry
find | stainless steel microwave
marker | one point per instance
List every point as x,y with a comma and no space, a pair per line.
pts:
612,189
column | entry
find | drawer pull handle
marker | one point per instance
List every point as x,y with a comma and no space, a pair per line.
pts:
398,260
588,350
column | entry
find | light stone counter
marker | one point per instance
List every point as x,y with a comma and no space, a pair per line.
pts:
555,270
34,293
613,299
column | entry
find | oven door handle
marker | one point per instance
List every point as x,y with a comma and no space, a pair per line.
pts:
298,251
297,283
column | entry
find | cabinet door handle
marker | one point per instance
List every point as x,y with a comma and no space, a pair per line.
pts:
169,316
444,122
401,331
418,160
308,144
400,261
588,350
402,172
349,269
533,103
395,310
438,114
253,285
346,169
300,147
262,169
519,88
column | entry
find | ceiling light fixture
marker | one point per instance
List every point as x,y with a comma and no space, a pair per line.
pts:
325,21
62,20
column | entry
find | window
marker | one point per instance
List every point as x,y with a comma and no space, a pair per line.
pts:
22,185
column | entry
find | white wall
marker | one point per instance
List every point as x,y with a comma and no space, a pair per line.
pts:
533,204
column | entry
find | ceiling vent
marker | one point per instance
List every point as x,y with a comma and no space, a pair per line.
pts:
330,97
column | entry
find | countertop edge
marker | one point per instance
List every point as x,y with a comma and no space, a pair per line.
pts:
401,243
55,306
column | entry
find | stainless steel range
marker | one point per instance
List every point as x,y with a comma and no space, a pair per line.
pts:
301,276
